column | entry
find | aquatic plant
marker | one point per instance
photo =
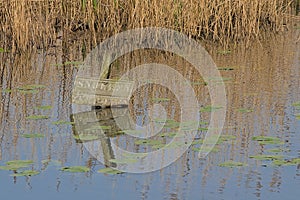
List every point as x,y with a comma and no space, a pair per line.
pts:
75,169
23,23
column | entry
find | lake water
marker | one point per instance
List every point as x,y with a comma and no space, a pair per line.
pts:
263,99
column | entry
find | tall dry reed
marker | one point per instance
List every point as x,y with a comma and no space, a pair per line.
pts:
37,23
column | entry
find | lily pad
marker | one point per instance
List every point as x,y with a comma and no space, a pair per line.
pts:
168,134
76,169
232,164
245,110
267,140
26,173
298,116
202,129
157,100
11,167
224,52
197,141
278,150
30,89
296,160
2,50
282,163
226,68
227,137
267,157
33,135
19,162
132,132
7,90
37,117
62,122
110,171
210,108
43,107
16,164
296,105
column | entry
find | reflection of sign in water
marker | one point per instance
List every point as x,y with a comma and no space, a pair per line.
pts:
100,126
99,92
96,63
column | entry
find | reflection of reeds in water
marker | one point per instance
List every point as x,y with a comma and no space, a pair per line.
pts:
252,86
26,24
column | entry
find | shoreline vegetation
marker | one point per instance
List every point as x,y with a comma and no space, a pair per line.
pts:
26,25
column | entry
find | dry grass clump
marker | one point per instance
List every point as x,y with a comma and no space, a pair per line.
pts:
37,23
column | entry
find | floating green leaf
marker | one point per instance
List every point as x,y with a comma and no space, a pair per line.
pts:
210,108
37,117
134,155
16,164
263,140
296,105
11,167
76,169
267,157
226,68
33,135
62,122
157,100
224,52
227,137
109,171
26,173
245,110
43,107
282,163
132,132
2,50
20,162
197,141
30,89
277,150
296,160
202,129
168,134
7,90
232,164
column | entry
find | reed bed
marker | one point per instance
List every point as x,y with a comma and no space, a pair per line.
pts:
38,23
